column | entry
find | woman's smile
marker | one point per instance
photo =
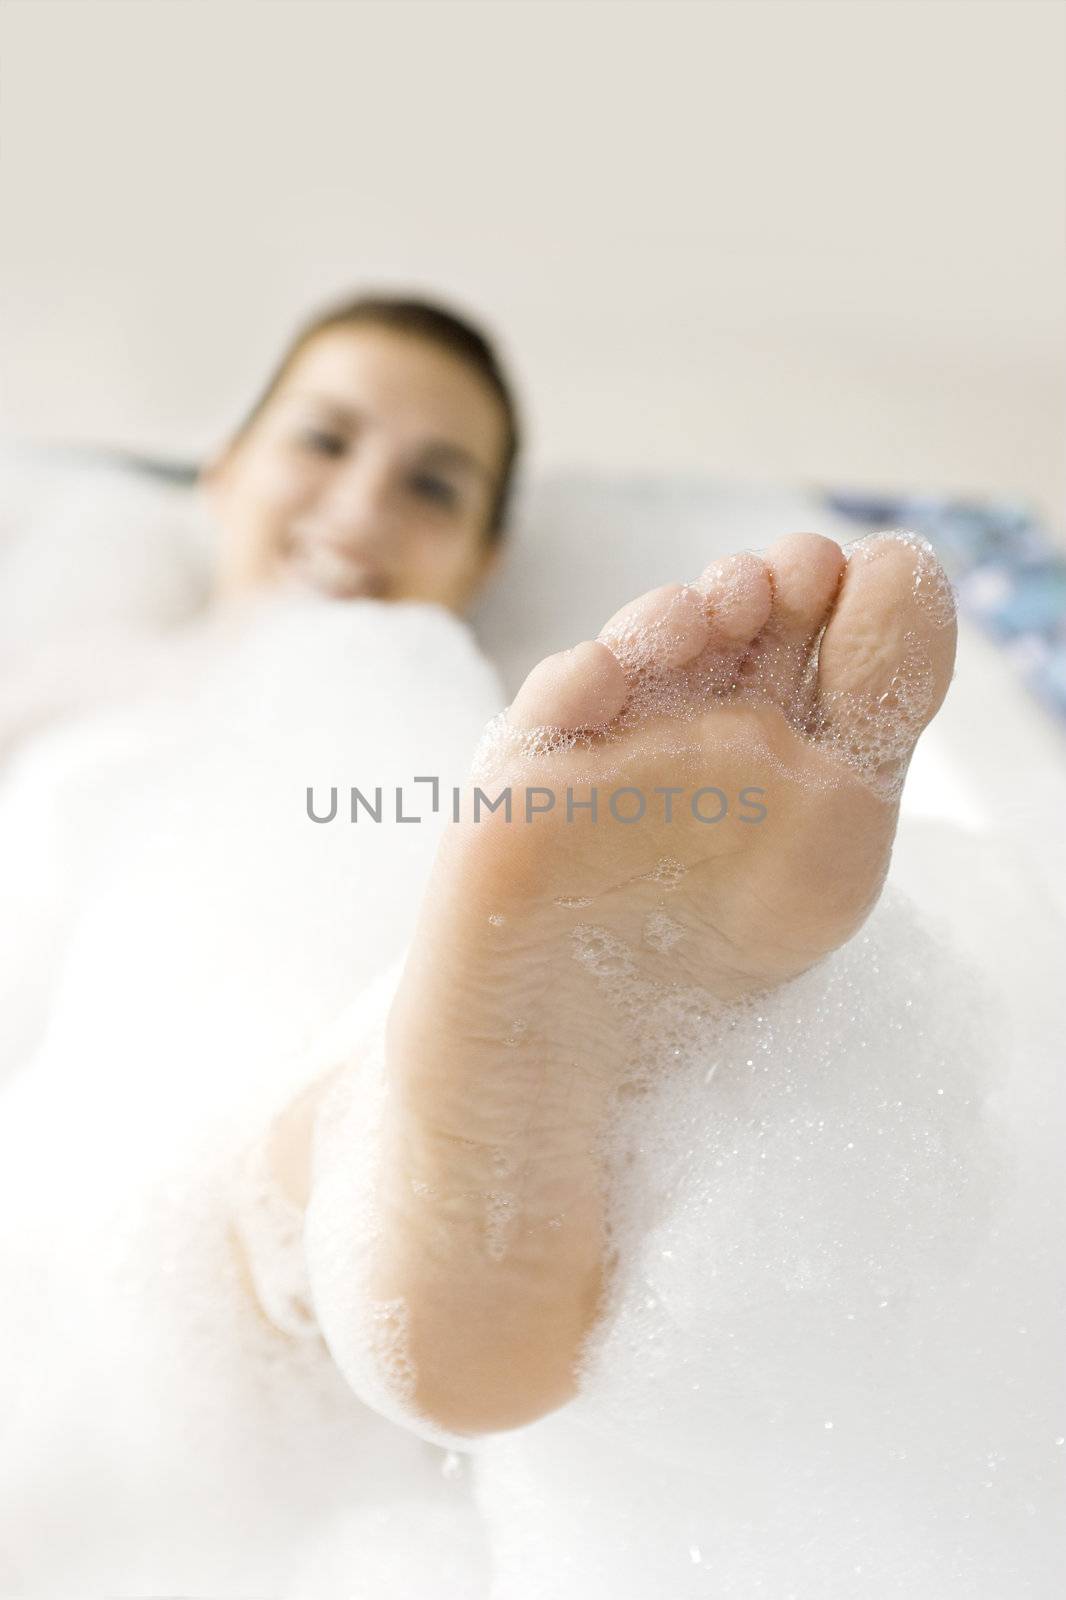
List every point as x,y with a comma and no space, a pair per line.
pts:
322,564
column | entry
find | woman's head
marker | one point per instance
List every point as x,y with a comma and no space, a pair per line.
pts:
377,462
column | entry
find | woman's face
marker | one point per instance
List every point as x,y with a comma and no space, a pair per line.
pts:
370,472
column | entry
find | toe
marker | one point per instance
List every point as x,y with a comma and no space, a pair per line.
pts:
806,569
886,657
737,593
581,688
805,572
665,627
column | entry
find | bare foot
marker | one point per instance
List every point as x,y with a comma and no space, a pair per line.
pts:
703,802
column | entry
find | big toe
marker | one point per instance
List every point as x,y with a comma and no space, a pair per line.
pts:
887,653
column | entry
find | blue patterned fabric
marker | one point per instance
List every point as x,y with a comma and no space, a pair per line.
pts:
1008,573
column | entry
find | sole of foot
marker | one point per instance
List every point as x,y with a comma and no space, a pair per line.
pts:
705,795
702,802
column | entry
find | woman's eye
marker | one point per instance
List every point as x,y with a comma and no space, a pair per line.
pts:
433,488
325,443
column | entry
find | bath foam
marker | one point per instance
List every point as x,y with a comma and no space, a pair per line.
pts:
245,1465
820,1369
841,1123
784,1119
868,737
830,1353
184,1438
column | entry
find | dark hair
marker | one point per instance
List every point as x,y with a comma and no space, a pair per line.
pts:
423,319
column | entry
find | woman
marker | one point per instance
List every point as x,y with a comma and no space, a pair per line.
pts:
326,1278
421,517
378,462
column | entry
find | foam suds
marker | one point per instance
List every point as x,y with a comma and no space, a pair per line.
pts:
831,1337
829,1364
186,1436
828,1342
662,932
667,873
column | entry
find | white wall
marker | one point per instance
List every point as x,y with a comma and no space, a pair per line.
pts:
816,239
